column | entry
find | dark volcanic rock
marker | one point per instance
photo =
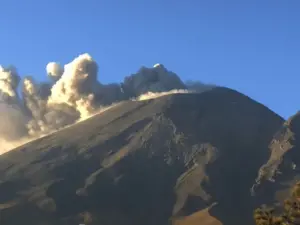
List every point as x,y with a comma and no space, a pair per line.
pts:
146,162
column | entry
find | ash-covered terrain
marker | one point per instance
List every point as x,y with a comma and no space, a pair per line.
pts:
166,152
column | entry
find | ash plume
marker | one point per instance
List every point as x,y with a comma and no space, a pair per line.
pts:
73,94
13,117
9,80
54,70
156,79
74,88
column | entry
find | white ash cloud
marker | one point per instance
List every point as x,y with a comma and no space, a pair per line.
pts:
73,94
54,70
9,80
74,86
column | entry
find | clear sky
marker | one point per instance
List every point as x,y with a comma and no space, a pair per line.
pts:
252,46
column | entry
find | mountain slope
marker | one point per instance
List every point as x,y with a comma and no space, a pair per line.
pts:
281,170
147,162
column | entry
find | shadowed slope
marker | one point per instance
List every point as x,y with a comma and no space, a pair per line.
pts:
146,162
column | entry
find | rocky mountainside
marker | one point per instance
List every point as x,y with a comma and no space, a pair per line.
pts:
176,159
282,169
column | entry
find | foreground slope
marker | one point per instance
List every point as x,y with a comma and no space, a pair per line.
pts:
155,162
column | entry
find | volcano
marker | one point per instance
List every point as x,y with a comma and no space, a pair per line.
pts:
183,159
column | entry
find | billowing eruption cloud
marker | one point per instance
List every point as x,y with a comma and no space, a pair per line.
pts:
156,79
13,117
9,80
54,70
74,93
74,88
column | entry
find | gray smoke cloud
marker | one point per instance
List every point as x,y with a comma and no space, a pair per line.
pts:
72,94
156,79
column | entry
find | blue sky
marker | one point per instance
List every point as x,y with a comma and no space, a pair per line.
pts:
252,46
